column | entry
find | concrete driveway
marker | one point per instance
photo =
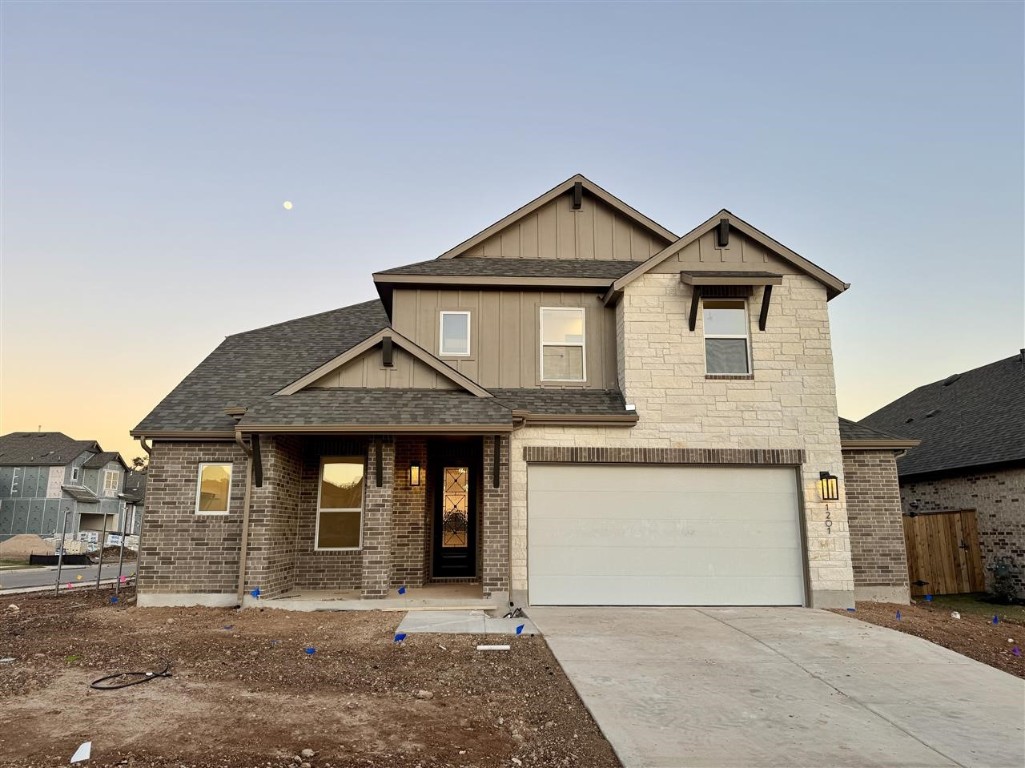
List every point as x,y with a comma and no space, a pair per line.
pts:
675,687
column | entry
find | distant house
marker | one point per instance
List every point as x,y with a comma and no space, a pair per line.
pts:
133,500
971,459
44,474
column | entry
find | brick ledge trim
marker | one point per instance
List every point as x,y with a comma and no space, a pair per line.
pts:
772,457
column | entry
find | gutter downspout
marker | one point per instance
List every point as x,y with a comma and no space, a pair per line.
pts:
244,547
147,448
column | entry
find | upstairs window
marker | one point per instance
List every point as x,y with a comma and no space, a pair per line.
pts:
562,344
213,489
74,474
455,334
340,503
727,337
109,482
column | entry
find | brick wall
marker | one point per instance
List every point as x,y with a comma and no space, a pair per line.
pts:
495,518
410,546
273,517
377,519
179,550
789,403
998,499
878,550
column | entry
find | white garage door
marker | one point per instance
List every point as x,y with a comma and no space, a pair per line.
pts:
640,535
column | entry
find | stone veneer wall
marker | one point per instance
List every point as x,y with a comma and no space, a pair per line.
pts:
179,550
789,402
998,498
878,550
274,517
410,545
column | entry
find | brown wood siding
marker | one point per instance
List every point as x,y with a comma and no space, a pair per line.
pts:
505,332
742,253
943,552
556,231
367,371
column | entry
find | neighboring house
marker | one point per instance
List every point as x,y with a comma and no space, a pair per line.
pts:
574,406
972,455
44,474
133,502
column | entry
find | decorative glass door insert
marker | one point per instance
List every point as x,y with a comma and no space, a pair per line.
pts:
455,507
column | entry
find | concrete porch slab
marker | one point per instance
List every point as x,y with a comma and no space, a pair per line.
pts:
436,597
463,623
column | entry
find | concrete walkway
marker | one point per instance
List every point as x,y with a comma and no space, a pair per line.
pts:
463,623
676,687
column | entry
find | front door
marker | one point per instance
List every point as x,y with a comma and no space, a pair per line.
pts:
455,516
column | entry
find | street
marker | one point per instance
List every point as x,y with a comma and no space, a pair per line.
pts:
46,577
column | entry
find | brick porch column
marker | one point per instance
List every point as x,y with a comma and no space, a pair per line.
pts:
377,522
495,517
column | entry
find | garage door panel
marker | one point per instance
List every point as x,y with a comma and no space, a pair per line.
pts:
632,535
645,504
664,561
659,534
679,590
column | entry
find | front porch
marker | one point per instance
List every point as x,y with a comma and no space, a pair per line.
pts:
342,522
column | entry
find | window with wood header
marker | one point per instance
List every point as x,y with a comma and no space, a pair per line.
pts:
727,337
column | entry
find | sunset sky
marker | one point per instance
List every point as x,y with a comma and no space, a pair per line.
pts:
148,148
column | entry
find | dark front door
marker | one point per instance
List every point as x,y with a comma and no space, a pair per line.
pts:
455,480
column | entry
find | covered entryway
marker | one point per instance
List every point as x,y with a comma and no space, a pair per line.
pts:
664,535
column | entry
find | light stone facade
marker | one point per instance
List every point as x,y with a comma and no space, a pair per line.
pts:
789,402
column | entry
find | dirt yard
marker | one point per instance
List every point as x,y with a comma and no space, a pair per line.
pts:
973,635
244,692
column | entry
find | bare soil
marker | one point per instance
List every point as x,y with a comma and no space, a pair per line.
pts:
973,635
245,693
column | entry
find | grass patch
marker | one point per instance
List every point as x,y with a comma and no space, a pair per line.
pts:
975,605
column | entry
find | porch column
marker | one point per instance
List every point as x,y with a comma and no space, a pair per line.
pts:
377,523
274,517
495,517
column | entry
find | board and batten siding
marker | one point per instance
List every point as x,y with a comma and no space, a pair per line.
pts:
556,231
369,371
741,253
505,333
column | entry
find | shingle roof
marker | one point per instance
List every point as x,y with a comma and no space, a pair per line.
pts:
100,460
41,449
852,430
973,419
362,407
471,266
562,401
135,487
252,365
81,493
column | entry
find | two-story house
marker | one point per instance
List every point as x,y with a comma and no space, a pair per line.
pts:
574,406
45,474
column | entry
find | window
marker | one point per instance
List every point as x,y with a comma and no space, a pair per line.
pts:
340,503
110,482
455,334
213,491
74,474
562,344
727,340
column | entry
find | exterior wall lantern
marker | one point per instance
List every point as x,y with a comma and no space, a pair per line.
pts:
829,487
415,474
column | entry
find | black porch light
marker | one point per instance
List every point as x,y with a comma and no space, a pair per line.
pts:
415,473
829,487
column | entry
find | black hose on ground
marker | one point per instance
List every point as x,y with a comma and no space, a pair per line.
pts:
126,679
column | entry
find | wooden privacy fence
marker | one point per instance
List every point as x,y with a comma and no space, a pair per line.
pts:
943,553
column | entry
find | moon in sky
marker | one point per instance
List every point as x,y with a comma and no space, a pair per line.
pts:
287,205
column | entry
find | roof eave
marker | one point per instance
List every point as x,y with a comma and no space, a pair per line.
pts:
878,445
374,429
491,281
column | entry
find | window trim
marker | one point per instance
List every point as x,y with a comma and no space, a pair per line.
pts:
441,333
747,337
199,487
106,474
543,344
362,508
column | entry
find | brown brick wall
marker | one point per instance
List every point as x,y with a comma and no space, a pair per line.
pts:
273,517
377,519
749,456
410,545
495,518
874,514
998,499
179,550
